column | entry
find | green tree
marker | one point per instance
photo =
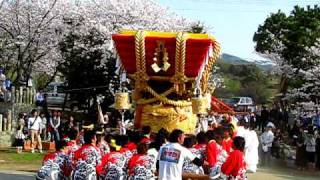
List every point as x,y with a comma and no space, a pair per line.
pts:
88,66
287,38
244,80
198,28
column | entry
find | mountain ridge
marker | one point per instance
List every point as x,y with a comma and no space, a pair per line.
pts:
235,60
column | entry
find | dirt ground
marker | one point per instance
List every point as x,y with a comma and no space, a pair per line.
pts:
279,171
27,162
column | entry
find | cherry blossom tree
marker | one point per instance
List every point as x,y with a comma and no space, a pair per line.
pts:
310,89
31,29
28,33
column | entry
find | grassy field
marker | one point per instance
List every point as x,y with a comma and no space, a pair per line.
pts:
26,161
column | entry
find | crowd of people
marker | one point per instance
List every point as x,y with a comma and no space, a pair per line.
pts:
39,127
227,148
224,151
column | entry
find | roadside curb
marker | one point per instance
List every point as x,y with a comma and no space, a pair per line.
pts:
17,172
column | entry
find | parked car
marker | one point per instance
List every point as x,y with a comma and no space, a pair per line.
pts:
241,103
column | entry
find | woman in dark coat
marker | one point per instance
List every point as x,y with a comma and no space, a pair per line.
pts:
301,161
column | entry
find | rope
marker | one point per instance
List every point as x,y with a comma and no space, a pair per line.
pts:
165,100
148,101
179,79
140,76
207,71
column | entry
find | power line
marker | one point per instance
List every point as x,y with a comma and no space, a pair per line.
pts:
87,88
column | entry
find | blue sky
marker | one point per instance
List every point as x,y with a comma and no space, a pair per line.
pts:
233,22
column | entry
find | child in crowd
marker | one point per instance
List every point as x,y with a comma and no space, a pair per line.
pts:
235,166
19,139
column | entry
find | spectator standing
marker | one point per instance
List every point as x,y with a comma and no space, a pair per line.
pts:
264,118
274,115
275,150
39,98
310,144
55,124
318,151
300,149
44,126
317,119
8,85
2,84
19,139
266,140
34,126
253,120
68,126
172,155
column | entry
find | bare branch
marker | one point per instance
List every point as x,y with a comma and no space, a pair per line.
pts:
7,30
1,4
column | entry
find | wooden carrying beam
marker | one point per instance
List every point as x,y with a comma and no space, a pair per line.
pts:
188,176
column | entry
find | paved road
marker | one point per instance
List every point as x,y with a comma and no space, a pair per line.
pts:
16,176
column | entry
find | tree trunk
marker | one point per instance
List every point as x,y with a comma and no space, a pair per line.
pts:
284,84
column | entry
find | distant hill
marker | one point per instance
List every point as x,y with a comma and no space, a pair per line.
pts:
232,59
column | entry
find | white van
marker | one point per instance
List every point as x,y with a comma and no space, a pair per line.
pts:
241,104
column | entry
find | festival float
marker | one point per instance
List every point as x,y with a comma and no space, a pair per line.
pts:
169,72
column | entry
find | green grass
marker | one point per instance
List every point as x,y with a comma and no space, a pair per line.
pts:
25,161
